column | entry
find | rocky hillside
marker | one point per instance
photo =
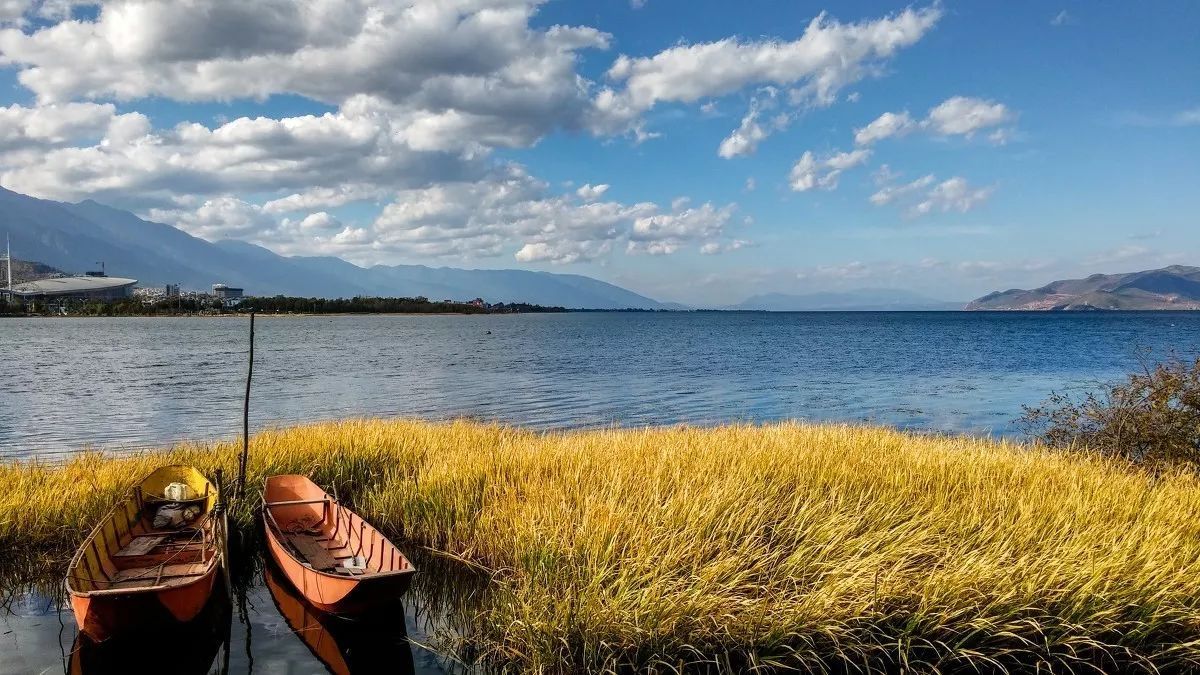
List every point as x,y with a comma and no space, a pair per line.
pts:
1174,287
25,270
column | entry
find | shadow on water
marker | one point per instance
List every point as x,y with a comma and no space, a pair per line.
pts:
184,648
367,643
261,624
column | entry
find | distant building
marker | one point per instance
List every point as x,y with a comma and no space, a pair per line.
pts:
227,293
172,291
76,288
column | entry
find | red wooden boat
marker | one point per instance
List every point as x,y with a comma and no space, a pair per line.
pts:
131,574
338,562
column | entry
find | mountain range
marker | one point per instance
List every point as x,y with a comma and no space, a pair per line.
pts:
77,236
1174,287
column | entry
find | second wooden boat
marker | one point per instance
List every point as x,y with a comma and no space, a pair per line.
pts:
153,558
338,561
364,643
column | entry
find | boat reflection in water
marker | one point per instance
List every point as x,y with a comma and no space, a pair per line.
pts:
376,642
174,647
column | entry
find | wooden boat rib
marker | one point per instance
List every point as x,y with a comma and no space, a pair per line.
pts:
317,542
128,575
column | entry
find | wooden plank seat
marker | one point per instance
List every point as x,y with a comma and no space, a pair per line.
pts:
166,575
311,551
141,545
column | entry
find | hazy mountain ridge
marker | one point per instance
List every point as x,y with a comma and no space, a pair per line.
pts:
861,300
75,237
1171,288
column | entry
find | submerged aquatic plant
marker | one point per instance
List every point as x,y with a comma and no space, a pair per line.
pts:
815,547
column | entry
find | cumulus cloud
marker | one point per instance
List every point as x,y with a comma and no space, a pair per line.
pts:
956,116
811,172
451,76
885,126
511,210
813,68
590,193
926,195
666,233
61,124
224,217
963,116
134,166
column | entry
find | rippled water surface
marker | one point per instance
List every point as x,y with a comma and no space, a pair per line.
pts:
71,383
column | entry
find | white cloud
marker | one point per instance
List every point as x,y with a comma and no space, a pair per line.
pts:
964,116
953,194
355,151
590,193
1062,19
891,193
512,211
956,116
323,197
810,172
224,217
666,233
716,247
452,75
925,195
814,67
885,126
60,124
753,130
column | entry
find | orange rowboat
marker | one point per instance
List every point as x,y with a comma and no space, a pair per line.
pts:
337,561
366,643
130,575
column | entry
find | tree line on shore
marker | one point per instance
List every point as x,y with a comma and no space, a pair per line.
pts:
200,304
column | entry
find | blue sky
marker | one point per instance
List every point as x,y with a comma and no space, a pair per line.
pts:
1013,143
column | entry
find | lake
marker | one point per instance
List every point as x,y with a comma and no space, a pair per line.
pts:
135,382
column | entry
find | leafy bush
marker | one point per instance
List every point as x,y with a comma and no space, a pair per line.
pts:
1152,418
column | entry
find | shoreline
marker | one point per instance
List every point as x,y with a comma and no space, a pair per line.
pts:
804,543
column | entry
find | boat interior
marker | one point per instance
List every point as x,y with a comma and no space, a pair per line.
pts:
324,535
127,551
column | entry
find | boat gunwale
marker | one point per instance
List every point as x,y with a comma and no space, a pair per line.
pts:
275,536
212,563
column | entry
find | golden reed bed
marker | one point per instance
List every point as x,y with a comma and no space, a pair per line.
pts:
823,547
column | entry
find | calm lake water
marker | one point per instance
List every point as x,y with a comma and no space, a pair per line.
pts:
131,382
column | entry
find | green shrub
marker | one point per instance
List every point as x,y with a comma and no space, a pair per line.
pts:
1153,417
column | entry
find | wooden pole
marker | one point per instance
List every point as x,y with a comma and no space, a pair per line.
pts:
241,486
222,525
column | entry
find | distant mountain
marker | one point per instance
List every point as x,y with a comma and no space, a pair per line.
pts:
1174,287
75,237
25,270
863,300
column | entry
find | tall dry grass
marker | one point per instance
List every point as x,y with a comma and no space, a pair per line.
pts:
813,547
